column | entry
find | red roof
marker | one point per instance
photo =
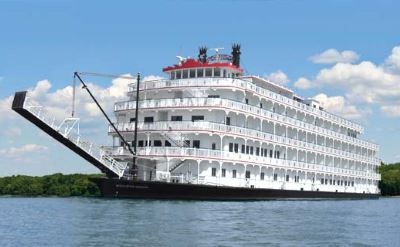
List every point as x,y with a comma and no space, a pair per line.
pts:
192,63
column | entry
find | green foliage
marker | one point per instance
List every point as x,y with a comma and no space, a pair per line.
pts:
390,184
51,185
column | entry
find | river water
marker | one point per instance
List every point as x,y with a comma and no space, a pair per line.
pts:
106,222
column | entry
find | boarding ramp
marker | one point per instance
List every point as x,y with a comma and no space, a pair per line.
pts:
67,132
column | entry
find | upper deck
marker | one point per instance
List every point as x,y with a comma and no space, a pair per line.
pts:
224,72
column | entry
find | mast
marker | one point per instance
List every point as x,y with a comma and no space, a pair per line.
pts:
133,171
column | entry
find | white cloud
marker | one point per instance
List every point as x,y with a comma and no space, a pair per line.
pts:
391,110
333,56
340,106
5,108
278,77
393,61
23,150
303,83
40,89
59,102
363,83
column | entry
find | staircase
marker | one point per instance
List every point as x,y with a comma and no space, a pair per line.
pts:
67,132
175,139
176,166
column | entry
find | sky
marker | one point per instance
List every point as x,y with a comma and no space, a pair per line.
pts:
346,54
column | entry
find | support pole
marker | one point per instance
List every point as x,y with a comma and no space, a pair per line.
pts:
84,86
133,170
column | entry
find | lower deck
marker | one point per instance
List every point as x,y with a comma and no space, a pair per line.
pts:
116,188
226,174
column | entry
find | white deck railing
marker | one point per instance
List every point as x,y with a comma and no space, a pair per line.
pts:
167,126
224,156
238,106
247,85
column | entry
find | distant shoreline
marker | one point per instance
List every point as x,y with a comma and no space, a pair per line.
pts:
55,185
60,185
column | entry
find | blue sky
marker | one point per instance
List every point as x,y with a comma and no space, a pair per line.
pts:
282,40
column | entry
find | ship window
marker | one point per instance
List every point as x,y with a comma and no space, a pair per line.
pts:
287,178
261,105
334,182
208,72
265,152
132,119
213,96
192,73
140,144
233,173
148,119
178,74
213,146
172,75
200,72
185,73
167,143
275,177
236,148
262,176
247,101
330,181
247,174
270,153
223,172
326,181
228,121
243,149
223,73
196,143
251,150
217,72
231,147
247,149
214,172
258,151
157,143
352,183
197,118
322,181
176,118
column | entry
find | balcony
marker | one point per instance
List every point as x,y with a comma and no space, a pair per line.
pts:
166,126
206,103
248,86
217,155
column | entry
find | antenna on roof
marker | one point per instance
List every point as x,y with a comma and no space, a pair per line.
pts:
181,59
217,52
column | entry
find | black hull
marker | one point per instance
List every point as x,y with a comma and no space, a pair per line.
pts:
115,188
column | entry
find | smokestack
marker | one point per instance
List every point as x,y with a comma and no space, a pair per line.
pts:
236,55
203,54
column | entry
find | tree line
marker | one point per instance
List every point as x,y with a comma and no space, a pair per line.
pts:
390,183
50,185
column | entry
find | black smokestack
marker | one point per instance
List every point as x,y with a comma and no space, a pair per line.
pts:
236,55
203,54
